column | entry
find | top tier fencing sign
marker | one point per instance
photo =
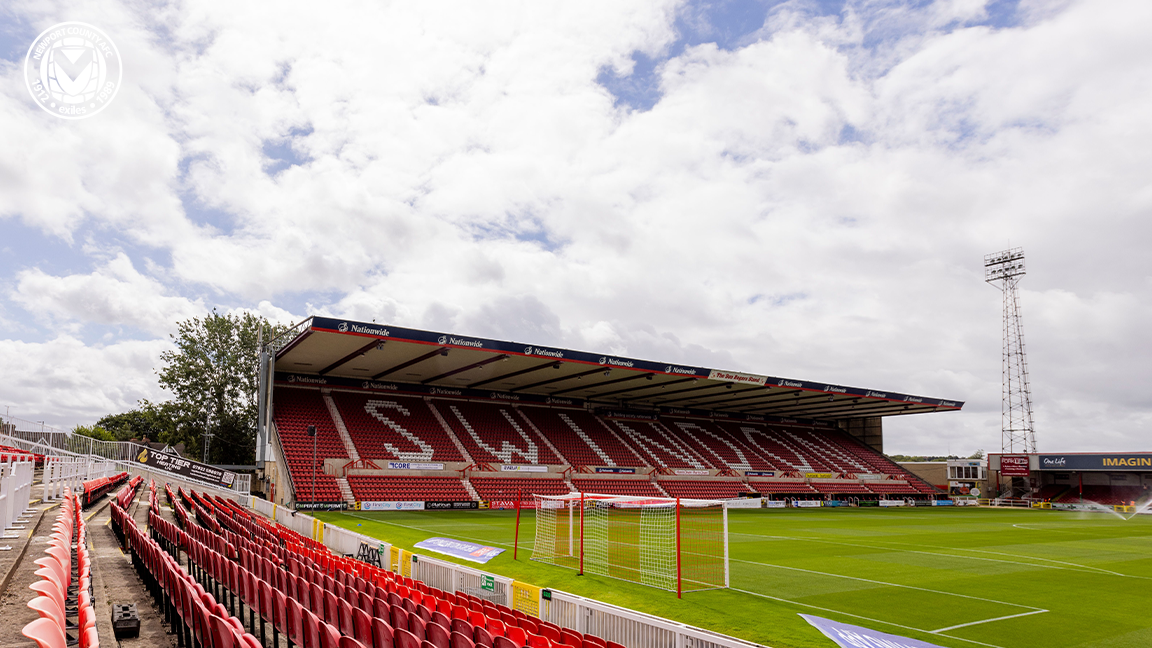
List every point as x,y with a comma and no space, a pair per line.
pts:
186,468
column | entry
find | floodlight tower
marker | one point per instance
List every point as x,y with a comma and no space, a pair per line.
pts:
1003,270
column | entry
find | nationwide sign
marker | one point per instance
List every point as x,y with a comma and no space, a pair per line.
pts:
850,636
1113,462
186,467
1014,465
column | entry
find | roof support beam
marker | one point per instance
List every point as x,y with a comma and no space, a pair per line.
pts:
560,379
474,365
355,354
600,384
555,363
413,361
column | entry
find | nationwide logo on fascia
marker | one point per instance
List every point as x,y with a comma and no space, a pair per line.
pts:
543,352
345,327
835,390
789,383
679,370
873,394
605,360
305,379
455,341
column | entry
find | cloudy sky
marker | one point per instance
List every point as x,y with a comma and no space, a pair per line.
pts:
802,189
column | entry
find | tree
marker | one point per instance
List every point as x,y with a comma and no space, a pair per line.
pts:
213,371
94,431
979,454
154,422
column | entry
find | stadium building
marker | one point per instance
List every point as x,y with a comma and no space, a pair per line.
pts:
1073,479
405,418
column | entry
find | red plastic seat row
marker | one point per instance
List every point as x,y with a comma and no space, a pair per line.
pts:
54,599
361,610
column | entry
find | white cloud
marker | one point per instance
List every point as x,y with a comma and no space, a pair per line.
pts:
116,294
66,382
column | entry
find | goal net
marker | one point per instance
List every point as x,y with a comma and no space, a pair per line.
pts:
680,545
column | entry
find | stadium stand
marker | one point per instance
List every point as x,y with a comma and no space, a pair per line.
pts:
704,489
781,487
495,433
505,488
1107,495
717,445
386,427
394,428
658,445
841,488
765,442
893,488
582,438
295,410
367,488
636,487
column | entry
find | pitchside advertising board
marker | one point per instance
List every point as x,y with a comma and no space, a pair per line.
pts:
186,468
1110,462
418,506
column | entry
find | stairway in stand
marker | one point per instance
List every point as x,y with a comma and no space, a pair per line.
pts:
341,428
471,490
346,491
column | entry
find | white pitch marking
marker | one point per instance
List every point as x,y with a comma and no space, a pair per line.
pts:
965,625
876,582
1087,569
857,616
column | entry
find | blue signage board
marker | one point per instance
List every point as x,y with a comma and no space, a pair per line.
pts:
1116,462
460,549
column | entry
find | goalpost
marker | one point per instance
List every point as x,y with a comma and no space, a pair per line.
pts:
680,545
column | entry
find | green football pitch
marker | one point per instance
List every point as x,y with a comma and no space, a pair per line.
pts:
952,577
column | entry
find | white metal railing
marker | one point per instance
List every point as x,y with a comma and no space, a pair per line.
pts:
60,473
15,493
120,456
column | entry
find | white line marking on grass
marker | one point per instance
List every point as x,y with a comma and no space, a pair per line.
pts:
876,582
1010,616
434,530
1087,569
857,616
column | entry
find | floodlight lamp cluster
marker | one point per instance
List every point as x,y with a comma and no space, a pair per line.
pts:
1004,265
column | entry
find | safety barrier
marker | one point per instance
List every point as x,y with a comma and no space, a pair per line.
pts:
119,456
63,472
15,493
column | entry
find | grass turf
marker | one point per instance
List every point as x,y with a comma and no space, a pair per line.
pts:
996,577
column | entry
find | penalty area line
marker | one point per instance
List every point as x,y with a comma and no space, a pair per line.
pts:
886,584
965,625
858,616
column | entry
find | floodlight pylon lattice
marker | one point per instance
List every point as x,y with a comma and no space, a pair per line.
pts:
1004,270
